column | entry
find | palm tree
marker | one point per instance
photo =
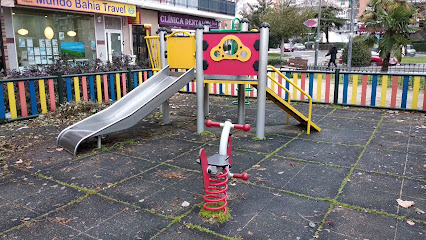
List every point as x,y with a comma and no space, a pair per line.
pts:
392,20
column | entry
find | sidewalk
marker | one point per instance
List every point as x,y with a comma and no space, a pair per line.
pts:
340,183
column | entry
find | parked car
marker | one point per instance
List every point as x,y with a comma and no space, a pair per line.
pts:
288,47
409,51
299,47
376,61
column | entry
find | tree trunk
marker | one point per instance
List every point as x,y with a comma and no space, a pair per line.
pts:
326,34
282,49
385,64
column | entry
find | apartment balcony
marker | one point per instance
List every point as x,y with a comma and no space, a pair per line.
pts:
215,6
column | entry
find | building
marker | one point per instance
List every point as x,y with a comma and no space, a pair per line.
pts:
36,32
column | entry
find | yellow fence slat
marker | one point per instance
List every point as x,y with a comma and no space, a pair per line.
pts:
384,90
117,83
416,88
295,77
99,88
77,89
354,88
42,92
319,86
12,101
140,78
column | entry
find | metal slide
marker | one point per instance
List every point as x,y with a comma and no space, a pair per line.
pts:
127,111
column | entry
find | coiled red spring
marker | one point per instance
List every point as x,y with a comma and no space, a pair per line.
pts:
216,192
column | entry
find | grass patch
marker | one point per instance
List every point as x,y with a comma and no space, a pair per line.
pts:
413,60
205,133
215,216
276,55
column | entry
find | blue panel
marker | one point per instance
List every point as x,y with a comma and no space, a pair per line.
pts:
404,92
187,87
345,88
220,89
33,98
311,84
2,107
149,74
112,87
287,85
69,91
135,80
373,90
92,89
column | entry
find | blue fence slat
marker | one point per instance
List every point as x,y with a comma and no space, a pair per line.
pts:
404,92
187,88
112,87
220,89
149,74
33,100
92,89
287,85
311,84
69,92
345,88
135,80
373,90
2,107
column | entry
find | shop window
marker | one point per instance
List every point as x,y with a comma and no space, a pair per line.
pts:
113,23
43,36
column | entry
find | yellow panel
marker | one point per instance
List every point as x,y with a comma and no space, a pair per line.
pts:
42,96
77,89
118,86
354,88
181,52
12,101
319,85
384,90
98,88
416,88
295,77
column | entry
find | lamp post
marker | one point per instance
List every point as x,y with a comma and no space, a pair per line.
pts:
318,36
351,35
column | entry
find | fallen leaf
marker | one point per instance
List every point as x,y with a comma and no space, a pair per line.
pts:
419,211
261,169
185,204
312,224
411,223
19,161
405,204
59,149
239,229
250,233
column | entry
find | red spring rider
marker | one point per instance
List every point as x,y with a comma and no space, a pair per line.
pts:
216,168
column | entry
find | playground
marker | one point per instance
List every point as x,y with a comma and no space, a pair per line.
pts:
341,183
132,170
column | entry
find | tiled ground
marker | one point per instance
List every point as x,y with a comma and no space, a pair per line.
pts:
340,183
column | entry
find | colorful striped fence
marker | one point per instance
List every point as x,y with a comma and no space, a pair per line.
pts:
380,90
26,98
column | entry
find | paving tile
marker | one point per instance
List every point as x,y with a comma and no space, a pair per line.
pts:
286,217
383,161
406,231
107,219
416,166
345,113
162,190
394,128
389,142
345,223
46,229
26,196
417,145
96,172
321,152
373,191
342,136
158,149
414,191
180,231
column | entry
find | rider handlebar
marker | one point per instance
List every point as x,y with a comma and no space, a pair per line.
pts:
245,127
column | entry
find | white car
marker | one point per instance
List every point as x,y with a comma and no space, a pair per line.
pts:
409,51
299,47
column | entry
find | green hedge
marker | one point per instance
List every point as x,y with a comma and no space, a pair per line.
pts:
420,46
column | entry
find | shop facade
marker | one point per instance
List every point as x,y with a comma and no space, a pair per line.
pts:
40,31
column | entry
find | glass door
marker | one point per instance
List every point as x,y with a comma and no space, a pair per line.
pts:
139,43
114,44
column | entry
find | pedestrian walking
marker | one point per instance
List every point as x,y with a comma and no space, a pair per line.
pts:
332,52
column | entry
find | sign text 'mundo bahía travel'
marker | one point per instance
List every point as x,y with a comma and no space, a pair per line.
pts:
95,6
